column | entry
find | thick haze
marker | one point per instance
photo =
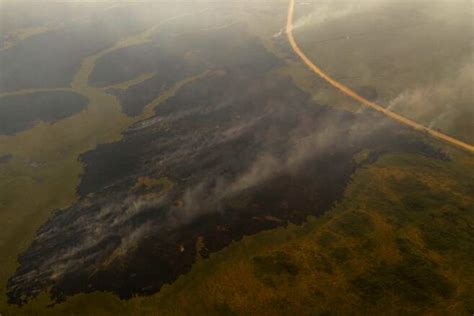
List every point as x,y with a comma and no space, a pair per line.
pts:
416,55
235,128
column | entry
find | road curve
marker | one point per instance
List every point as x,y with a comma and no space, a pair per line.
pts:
349,92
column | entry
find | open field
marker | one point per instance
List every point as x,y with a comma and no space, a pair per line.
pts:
414,58
45,168
372,217
371,251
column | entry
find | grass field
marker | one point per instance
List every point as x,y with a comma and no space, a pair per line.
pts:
400,240
381,248
44,171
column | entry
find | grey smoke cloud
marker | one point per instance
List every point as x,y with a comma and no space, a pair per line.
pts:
441,104
315,14
306,143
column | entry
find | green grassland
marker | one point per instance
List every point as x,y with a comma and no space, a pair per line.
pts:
399,242
44,171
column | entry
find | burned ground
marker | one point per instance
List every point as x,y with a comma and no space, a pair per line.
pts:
236,152
208,184
50,59
230,155
174,57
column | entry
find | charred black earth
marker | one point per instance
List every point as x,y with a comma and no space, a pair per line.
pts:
237,152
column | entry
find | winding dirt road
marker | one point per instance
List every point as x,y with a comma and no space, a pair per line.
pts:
349,92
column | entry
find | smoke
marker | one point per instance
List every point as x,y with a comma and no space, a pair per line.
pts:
310,140
326,12
94,236
102,228
440,104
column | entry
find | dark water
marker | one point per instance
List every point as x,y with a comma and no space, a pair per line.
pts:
21,112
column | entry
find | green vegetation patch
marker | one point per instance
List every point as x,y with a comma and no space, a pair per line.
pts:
354,224
326,239
449,232
341,254
278,264
417,196
413,281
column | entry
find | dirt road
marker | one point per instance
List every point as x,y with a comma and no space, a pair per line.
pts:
349,92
